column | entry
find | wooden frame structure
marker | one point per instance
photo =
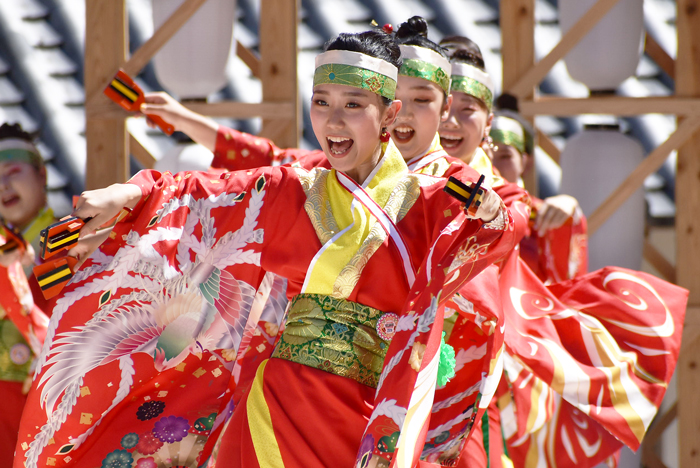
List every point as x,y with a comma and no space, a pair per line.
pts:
521,75
108,141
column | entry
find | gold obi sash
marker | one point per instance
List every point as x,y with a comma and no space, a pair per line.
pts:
337,336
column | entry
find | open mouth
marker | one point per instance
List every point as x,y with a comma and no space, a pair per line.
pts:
450,141
403,134
9,200
339,146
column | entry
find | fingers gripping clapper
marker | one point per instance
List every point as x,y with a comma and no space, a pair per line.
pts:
125,92
60,236
13,239
470,195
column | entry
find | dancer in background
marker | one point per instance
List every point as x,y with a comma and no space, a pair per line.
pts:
172,287
22,323
556,249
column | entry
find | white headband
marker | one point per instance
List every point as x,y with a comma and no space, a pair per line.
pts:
426,55
17,143
508,124
470,71
358,59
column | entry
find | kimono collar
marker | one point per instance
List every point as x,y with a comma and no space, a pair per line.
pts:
481,163
43,219
432,162
358,213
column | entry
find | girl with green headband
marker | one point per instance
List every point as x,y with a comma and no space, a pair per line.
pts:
468,124
556,249
423,87
162,310
23,205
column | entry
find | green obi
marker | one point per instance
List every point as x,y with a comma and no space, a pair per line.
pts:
337,336
15,354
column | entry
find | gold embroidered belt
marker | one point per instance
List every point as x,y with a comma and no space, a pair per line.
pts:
337,336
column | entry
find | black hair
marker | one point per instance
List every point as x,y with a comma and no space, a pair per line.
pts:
465,51
375,43
507,102
415,32
14,130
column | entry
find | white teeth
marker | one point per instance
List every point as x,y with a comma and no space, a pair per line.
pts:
403,129
453,138
338,139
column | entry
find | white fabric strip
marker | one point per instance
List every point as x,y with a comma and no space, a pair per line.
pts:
383,219
17,143
470,71
357,59
421,161
426,55
507,124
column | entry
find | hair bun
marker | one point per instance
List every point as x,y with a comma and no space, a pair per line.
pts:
466,56
415,26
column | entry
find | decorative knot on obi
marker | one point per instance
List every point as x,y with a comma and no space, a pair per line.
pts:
337,336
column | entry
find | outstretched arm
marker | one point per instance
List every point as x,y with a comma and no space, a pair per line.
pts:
201,129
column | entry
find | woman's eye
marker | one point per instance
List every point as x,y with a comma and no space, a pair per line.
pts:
422,101
320,102
352,105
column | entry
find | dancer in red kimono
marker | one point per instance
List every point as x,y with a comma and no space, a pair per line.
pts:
556,248
22,323
469,121
165,302
473,326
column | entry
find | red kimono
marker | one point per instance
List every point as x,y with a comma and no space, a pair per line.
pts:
475,329
164,308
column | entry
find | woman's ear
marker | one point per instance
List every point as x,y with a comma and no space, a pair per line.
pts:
445,113
528,162
391,113
489,121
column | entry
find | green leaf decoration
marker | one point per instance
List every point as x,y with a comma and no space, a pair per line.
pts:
106,296
152,221
65,449
239,197
260,183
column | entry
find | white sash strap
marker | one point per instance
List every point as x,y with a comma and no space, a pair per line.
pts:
419,163
383,219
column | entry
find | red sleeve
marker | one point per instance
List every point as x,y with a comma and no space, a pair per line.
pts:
560,254
237,150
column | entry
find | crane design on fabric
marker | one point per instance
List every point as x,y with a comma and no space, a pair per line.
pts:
172,312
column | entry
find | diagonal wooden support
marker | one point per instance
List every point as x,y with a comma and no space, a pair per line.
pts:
660,425
546,143
650,164
657,53
534,76
659,262
141,154
145,53
249,58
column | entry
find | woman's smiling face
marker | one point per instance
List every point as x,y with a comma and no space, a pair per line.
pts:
423,107
22,193
469,121
348,122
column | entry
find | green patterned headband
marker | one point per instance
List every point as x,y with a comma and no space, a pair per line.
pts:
508,131
472,81
419,62
356,69
15,149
